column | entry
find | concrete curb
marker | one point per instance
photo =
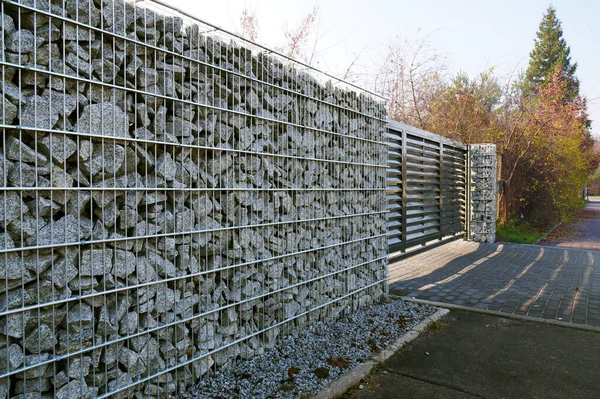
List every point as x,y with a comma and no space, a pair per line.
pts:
547,233
540,320
353,377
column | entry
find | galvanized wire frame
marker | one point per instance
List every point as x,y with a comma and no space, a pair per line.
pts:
173,198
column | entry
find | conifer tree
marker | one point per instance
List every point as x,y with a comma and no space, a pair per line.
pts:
551,50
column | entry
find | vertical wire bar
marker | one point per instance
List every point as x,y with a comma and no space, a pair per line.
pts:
441,190
404,188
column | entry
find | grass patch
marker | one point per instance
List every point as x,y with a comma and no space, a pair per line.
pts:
436,325
521,233
395,297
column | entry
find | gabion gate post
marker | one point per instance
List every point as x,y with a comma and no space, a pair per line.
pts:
172,199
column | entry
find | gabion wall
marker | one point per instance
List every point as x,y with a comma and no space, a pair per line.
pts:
172,200
483,192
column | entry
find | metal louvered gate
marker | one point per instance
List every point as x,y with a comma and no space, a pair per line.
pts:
427,189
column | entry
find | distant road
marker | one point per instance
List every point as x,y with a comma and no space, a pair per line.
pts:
583,233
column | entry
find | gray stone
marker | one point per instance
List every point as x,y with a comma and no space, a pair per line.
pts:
81,67
83,284
46,53
75,48
143,117
143,229
291,309
107,158
104,119
180,127
19,151
60,379
83,12
40,339
7,26
13,93
218,165
118,17
32,360
166,167
184,221
79,367
80,317
44,111
44,207
324,118
6,241
11,356
38,261
48,32
95,262
282,101
23,41
129,324
127,357
165,299
125,263
64,270
11,207
145,272
4,387
169,24
146,77
74,389
60,179
32,386
66,229
105,70
165,267
8,111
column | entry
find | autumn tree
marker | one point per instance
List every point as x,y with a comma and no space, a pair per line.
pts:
464,109
249,25
544,160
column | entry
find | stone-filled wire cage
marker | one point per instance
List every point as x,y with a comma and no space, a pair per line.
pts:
172,200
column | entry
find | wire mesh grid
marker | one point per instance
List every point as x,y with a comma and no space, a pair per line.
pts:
172,200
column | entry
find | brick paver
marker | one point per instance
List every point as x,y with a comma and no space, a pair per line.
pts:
547,282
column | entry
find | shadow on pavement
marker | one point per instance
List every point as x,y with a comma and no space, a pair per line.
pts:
482,356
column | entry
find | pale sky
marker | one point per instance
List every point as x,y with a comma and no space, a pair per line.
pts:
474,35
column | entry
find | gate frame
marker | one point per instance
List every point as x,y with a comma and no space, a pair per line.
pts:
429,242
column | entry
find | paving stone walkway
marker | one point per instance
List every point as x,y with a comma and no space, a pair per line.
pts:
548,282
583,233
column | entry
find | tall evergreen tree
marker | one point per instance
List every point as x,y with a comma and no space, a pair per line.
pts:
550,51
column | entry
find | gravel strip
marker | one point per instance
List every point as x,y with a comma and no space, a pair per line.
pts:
306,362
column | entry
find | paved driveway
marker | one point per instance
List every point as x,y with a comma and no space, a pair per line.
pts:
548,282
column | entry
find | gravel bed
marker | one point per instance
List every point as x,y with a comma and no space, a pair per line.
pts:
306,362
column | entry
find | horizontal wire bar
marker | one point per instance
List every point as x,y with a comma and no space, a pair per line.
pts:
239,340
188,319
173,234
192,189
218,28
193,146
190,59
198,62
189,102
169,279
